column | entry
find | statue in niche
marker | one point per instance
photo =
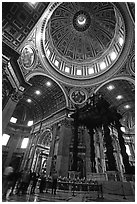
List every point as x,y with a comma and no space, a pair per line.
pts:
100,169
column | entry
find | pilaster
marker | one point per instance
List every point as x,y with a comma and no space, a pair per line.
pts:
9,109
87,155
51,153
12,147
65,135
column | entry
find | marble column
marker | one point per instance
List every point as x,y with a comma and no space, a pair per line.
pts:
65,135
101,147
36,160
51,152
117,156
26,157
87,155
32,151
39,163
132,150
75,146
99,151
29,155
92,150
109,148
123,148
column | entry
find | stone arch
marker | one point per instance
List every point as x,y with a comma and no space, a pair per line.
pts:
114,79
43,74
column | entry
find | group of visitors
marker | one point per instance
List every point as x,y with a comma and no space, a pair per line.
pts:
26,181
14,182
46,181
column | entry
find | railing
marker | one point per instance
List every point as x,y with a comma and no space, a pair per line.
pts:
77,186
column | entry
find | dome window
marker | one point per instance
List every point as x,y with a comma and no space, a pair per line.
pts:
90,71
79,72
102,65
56,63
48,53
121,41
67,69
113,55
13,120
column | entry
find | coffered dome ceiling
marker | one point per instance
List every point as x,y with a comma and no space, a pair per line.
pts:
83,40
80,32
43,98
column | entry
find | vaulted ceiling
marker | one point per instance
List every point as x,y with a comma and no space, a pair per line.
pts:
18,19
76,34
121,95
43,98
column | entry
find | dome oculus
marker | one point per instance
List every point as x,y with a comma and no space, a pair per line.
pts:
81,21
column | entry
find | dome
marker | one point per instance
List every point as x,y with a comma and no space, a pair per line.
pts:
82,31
82,40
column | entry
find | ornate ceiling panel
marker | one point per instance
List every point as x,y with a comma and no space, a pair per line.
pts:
120,94
131,6
83,40
43,98
82,31
18,19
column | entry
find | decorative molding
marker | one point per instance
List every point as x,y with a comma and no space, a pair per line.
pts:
39,65
131,64
18,19
16,96
78,95
32,38
122,72
91,89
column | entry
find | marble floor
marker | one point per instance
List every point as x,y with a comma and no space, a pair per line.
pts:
67,196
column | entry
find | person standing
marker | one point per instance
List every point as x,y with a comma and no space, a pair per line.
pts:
54,182
7,180
25,181
34,182
42,183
